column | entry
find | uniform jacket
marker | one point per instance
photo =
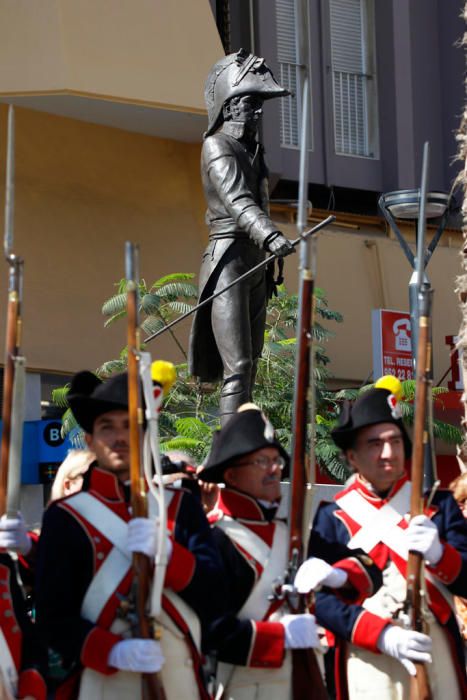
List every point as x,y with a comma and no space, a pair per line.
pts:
260,642
71,551
361,627
19,634
236,189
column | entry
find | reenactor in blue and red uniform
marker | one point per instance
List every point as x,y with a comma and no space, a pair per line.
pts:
253,640
84,573
375,651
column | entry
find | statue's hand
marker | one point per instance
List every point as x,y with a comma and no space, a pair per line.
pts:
279,245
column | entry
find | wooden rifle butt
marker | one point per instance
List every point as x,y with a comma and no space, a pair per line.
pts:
152,687
11,348
307,681
419,684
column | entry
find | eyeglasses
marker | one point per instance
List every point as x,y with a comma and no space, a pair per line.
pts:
264,462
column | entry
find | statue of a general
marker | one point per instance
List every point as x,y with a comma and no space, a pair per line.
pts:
227,335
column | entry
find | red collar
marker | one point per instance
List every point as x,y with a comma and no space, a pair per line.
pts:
362,487
239,505
106,484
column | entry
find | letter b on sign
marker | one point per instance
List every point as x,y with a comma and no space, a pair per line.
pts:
53,435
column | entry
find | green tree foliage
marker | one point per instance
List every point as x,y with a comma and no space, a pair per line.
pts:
190,412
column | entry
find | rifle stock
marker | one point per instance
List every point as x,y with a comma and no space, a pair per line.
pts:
14,368
306,675
419,684
142,566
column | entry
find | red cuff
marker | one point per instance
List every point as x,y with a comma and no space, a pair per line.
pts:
31,683
357,577
449,566
96,650
268,645
367,629
180,569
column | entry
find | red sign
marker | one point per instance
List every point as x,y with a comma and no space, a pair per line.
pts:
392,344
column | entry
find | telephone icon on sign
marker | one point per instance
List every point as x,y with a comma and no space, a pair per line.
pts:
401,330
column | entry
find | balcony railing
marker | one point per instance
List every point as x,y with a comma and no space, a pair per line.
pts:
288,105
351,113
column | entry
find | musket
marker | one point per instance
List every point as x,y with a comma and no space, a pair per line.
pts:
264,263
142,565
306,676
14,373
419,684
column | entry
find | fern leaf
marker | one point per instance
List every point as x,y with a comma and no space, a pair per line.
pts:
59,396
152,325
114,318
114,305
174,277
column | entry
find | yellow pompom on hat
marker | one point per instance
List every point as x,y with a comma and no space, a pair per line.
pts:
392,384
163,373
379,404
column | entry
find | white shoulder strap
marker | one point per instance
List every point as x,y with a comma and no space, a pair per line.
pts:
118,561
258,603
377,525
246,539
102,518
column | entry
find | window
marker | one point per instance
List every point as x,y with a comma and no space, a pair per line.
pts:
288,71
353,77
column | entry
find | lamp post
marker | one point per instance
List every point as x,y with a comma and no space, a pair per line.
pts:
418,205
406,204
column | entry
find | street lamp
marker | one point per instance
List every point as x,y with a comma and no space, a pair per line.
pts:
406,204
418,205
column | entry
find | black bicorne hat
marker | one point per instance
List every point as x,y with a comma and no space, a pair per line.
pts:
372,407
245,432
89,397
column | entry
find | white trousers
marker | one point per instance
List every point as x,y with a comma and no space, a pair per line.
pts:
372,676
244,683
380,676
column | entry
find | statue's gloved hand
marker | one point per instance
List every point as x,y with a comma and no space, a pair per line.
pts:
406,646
14,534
316,572
301,631
138,655
278,244
422,536
143,536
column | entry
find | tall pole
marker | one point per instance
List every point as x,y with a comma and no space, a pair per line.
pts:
306,677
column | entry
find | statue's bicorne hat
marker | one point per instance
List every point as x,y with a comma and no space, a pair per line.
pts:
240,73
245,432
377,405
89,397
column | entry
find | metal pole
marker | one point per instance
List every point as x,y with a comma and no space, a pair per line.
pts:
10,185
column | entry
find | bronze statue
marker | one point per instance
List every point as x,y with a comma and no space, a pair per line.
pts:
227,335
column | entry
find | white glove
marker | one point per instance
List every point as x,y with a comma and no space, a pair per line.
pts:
14,534
139,655
422,536
143,536
405,646
301,631
316,572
